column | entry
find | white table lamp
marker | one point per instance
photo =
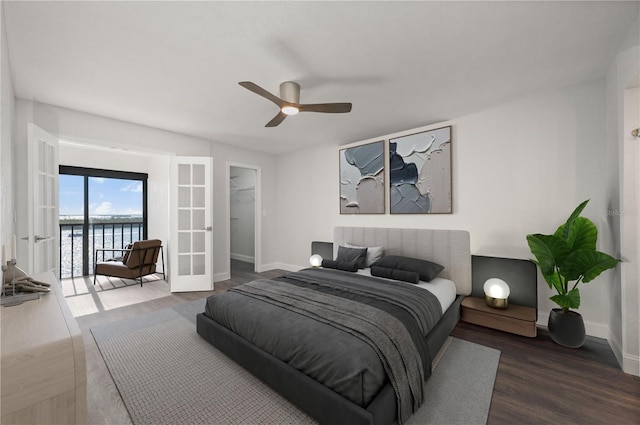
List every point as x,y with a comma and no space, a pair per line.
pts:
496,293
315,260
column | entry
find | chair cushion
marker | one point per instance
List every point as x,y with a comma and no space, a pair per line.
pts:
143,254
117,269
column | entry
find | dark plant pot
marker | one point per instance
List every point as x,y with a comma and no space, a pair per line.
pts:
567,329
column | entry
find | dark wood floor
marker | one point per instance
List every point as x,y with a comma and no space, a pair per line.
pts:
541,382
538,381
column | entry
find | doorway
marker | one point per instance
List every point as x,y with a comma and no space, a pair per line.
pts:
244,219
98,209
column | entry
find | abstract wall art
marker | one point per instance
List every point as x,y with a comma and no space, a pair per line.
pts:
420,173
362,179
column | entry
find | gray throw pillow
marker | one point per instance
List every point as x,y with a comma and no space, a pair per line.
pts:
352,255
397,274
426,269
332,264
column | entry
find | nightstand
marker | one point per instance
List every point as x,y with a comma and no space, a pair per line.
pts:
515,319
522,277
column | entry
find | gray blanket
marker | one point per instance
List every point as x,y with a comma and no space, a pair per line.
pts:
348,365
383,332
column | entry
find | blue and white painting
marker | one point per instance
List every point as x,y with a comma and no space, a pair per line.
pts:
420,173
362,179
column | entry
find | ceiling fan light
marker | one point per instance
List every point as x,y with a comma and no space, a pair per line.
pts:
290,110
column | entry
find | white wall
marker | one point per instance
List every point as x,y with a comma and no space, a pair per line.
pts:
622,116
242,203
6,135
518,168
156,146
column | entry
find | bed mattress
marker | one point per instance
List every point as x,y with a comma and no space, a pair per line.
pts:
443,289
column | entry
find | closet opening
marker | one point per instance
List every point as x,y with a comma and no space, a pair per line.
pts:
243,219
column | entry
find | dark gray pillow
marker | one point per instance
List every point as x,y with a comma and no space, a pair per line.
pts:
332,264
397,274
352,255
426,269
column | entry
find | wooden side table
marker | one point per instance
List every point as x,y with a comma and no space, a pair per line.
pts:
515,319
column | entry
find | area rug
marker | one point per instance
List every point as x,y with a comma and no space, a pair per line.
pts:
167,374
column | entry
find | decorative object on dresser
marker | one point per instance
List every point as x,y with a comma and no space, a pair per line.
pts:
362,179
17,286
520,315
420,173
569,255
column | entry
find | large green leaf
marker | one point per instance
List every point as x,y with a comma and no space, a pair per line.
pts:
569,300
587,263
555,281
569,223
582,234
549,250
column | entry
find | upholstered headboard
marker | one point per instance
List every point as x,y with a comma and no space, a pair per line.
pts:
450,248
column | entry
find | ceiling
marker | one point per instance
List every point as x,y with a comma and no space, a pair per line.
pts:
176,65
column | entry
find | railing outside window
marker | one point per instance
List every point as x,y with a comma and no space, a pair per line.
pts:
112,235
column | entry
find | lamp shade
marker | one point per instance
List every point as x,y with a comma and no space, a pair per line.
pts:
315,260
496,292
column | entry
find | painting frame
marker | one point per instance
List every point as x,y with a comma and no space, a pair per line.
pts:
420,172
362,187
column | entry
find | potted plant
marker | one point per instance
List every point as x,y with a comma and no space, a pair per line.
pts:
566,259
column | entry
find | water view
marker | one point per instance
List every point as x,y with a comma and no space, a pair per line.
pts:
111,232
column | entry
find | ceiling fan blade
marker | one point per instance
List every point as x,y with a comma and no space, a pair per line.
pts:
262,92
277,119
332,108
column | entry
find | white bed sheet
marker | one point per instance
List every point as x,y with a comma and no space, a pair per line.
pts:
443,289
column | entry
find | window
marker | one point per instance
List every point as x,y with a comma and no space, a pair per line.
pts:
98,209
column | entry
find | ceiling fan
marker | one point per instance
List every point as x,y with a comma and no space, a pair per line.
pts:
289,101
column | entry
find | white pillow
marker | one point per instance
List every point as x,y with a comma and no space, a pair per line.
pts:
374,253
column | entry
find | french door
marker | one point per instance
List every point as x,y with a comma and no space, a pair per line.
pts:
42,187
191,238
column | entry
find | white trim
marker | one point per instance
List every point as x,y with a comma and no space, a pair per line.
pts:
241,257
616,347
257,261
631,364
219,277
282,266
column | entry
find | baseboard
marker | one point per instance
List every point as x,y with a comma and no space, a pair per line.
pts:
241,257
592,328
616,347
631,364
218,277
281,266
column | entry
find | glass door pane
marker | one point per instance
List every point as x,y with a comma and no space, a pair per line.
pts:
71,201
115,216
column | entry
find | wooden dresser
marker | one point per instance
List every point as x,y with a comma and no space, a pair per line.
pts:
43,364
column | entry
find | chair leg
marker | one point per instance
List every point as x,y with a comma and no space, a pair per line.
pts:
164,276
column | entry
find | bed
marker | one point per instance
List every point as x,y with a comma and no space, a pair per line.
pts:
330,404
